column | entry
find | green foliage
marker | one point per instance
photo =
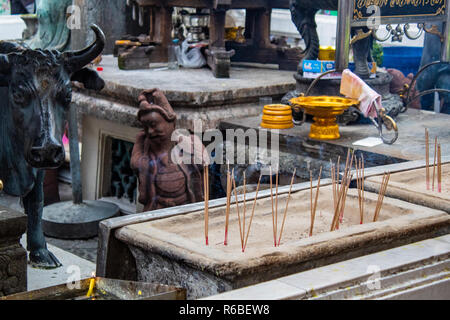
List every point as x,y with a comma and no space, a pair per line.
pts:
377,53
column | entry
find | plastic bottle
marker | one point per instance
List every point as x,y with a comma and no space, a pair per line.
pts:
172,55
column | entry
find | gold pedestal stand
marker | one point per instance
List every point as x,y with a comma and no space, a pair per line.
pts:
325,110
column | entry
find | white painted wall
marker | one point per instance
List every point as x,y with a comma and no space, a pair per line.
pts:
11,27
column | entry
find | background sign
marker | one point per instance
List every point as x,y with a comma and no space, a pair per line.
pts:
362,9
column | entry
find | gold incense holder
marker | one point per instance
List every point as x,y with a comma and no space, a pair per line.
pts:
277,116
324,110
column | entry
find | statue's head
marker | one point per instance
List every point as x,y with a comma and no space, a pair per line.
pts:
156,115
39,95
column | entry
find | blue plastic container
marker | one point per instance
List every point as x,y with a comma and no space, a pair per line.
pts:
405,59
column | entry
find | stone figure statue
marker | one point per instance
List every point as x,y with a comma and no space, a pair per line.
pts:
164,180
53,32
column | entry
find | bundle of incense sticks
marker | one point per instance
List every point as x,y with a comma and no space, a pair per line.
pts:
287,205
314,207
342,192
434,162
227,211
348,167
437,162
427,159
335,177
206,192
276,205
381,194
360,186
253,213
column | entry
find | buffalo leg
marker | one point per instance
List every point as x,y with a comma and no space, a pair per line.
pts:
39,255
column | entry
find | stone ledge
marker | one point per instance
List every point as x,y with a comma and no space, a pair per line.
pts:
117,112
12,225
194,87
13,257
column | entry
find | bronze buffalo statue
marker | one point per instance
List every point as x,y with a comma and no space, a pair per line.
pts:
35,95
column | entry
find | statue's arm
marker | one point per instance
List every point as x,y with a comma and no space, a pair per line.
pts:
139,154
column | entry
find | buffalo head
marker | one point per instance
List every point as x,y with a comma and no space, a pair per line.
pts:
39,95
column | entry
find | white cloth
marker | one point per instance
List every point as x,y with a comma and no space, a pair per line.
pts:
354,87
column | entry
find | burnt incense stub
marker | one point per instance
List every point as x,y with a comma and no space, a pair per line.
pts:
169,170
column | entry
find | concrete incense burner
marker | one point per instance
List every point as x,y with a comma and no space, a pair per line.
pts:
177,244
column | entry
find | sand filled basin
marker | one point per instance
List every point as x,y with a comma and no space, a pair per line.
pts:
411,186
173,250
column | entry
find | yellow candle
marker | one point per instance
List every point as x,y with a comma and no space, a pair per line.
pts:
91,287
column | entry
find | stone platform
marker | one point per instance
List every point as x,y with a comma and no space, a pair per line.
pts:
193,93
13,257
299,151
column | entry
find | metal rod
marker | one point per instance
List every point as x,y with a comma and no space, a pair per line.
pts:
413,82
75,155
343,35
317,80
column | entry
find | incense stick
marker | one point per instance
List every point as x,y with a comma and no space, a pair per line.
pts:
310,192
237,209
206,183
345,183
313,212
381,194
439,169
336,210
253,212
434,162
360,187
276,203
287,204
245,205
333,182
427,159
227,214
347,169
273,216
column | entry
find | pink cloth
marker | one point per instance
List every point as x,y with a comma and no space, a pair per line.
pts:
354,87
